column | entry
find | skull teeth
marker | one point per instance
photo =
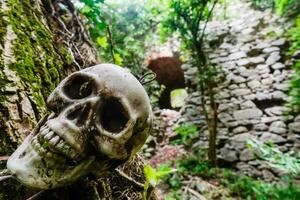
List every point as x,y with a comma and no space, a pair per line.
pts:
49,140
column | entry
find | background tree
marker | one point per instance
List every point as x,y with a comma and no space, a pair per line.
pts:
189,19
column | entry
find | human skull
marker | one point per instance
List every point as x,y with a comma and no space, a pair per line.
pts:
100,117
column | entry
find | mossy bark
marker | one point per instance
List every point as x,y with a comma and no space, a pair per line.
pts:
42,41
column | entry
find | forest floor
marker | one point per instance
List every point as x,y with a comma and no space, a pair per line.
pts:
194,177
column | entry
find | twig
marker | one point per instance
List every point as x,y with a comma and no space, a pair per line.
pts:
209,14
2,178
4,158
197,194
140,185
36,195
111,44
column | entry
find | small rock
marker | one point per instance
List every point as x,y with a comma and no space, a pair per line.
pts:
260,127
278,127
239,129
279,95
266,137
295,127
254,84
247,114
248,104
278,66
238,79
271,49
228,155
268,176
273,58
256,60
240,92
237,55
246,155
262,96
225,117
243,62
278,42
273,111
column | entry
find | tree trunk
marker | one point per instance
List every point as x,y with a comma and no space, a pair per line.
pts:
42,41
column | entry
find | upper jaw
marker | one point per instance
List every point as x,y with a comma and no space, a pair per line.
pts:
38,163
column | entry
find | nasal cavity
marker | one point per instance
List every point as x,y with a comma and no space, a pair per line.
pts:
113,116
80,114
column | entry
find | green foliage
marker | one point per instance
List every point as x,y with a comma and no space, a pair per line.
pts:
178,97
186,132
248,188
263,4
275,158
294,37
92,11
153,177
282,7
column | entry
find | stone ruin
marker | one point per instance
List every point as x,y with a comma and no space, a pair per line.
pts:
253,97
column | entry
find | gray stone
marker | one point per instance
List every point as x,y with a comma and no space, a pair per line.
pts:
243,62
226,46
247,114
247,155
267,81
203,187
273,58
270,49
295,127
240,92
283,87
268,176
274,111
262,45
248,31
278,66
271,119
256,60
263,69
239,129
248,104
260,127
266,137
228,155
278,127
297,118
293,138
262,96
248,169
237,55
238,79
278,42
225,117
279,95
249,97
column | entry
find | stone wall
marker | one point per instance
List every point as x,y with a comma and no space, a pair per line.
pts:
252,99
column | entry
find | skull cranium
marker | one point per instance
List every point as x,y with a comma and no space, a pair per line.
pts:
100,117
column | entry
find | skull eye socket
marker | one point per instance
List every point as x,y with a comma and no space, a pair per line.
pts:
113,116
78,87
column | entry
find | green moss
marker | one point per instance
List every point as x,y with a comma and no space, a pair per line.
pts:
37,62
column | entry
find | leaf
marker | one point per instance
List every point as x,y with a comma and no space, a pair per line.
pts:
150,174
86,9
178,97
118,59
102,42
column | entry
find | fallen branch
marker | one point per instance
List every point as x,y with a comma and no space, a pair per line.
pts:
2,178
4,158
36,195
138,184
